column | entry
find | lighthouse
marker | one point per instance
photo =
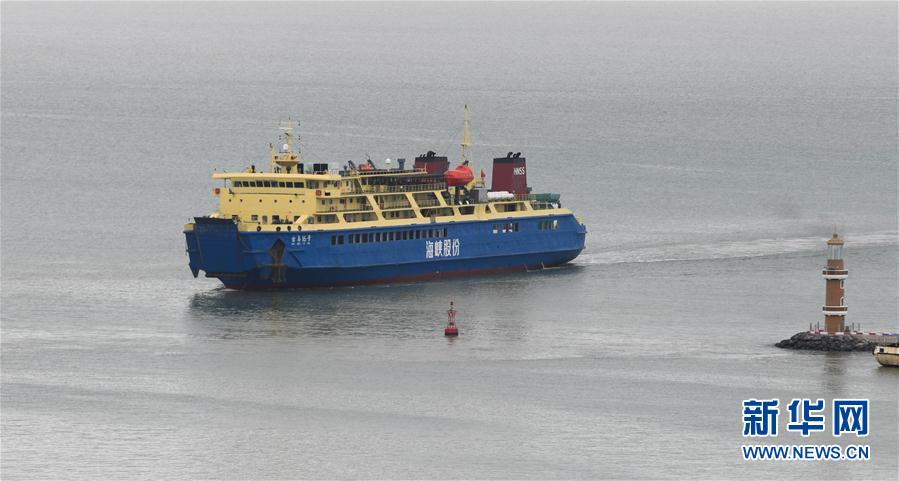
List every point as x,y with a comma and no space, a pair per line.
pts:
834,275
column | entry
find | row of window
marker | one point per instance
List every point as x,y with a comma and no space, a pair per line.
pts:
389,236
413,234
276,219
513,226
510,227
313,184
268,183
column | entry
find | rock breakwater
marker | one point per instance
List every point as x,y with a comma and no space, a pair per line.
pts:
810,341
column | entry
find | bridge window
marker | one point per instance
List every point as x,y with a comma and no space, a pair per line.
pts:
298,185
254,218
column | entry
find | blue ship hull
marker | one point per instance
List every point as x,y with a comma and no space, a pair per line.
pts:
267,260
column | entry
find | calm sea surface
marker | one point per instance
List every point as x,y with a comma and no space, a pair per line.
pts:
710,148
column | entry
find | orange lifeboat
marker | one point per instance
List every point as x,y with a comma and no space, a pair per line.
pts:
462,175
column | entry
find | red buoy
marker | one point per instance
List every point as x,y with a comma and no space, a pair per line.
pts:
451,329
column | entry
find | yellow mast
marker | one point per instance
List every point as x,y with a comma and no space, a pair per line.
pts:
466,151
466,139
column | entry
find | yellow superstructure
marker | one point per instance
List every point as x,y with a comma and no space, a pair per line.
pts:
289,199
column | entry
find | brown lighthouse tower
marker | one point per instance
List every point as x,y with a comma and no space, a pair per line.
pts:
834,275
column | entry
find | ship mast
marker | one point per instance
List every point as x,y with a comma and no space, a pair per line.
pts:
466,139
285,157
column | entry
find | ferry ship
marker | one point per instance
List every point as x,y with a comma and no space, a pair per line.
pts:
300,225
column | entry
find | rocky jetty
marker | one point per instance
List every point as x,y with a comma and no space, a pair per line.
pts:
811,341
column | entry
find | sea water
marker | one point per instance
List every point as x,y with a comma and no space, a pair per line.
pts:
711,149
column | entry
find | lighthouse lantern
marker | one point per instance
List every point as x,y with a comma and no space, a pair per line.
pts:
834,249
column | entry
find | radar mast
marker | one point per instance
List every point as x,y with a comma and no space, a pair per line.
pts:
285,156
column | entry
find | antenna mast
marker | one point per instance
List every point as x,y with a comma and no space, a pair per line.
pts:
288,135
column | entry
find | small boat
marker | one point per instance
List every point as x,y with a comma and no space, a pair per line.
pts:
887,355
